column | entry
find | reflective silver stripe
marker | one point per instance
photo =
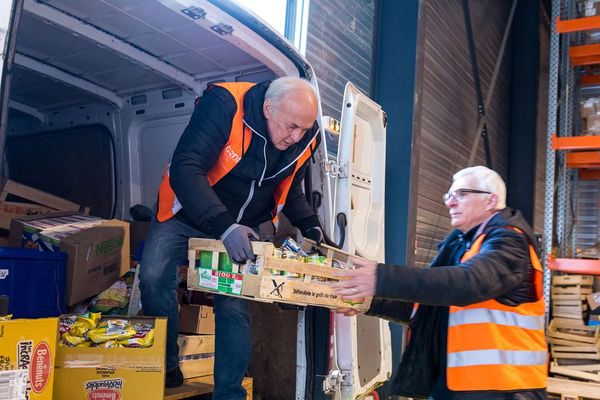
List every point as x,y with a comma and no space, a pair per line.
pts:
496,357
241,213
485,315
176,204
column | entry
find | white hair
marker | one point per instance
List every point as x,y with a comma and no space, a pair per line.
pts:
280,87
485,179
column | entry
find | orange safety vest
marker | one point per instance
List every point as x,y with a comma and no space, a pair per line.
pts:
229,157
492,346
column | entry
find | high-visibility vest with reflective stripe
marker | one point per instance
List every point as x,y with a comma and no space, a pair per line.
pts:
229,157
492,346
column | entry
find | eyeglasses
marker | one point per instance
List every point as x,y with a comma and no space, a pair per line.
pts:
460,194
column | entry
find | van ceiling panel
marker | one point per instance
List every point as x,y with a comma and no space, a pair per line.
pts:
41,92
158,30
122,46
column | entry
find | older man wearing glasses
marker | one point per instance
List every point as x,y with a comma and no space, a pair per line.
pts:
477,314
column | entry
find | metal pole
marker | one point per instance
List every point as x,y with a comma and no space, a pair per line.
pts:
550,160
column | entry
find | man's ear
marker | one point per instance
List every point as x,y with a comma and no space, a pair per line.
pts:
492,202
267,109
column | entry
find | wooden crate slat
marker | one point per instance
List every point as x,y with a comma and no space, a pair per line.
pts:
568,387
581,280
573,373
37,196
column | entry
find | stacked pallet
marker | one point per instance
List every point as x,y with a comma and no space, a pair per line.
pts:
569,296
575,347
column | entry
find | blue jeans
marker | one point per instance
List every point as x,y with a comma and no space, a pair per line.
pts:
165,248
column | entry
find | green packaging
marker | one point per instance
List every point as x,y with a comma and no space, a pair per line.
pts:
225,263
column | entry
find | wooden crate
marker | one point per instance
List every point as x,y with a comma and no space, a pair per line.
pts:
568,296
312,288
44,202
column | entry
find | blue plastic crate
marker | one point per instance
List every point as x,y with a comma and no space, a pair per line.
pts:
34,282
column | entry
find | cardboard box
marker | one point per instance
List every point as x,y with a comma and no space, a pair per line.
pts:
10,210
594,303
197,319
27,356
95,373
196,355
97,249
190,345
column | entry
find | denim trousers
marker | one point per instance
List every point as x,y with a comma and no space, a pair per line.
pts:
165,249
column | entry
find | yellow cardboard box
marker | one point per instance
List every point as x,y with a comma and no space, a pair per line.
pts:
27,353
94,373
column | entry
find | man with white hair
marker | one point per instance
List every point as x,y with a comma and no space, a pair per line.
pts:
477,314
238,164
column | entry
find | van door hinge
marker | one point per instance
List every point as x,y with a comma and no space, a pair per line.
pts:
335,379
335,169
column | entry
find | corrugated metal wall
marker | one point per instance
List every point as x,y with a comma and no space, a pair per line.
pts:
446,113
339,46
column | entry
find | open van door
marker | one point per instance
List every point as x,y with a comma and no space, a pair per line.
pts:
361,353
10,10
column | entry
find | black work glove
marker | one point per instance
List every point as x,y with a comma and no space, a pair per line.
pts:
237,243
315,233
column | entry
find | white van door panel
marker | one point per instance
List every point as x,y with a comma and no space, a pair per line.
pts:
362,343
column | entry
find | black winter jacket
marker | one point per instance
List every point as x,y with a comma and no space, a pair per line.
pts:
501,270
245,194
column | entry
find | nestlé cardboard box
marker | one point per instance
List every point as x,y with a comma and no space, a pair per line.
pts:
97,249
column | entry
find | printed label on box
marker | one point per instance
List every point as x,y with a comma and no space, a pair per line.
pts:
13,384
224,282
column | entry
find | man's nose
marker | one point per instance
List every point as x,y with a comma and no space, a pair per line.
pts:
297,135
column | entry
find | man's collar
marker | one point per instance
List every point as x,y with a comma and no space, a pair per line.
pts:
482,226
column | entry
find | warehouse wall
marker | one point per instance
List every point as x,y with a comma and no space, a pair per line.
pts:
446,109
339,46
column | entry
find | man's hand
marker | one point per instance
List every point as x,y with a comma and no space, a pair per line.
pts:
315,233
359,282
348,312
237,243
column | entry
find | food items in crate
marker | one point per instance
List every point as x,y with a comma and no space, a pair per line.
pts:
291,245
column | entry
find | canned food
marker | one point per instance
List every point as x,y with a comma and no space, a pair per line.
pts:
290,244
205,259
225,263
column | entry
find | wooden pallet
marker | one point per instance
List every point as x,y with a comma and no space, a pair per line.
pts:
304,283
199,386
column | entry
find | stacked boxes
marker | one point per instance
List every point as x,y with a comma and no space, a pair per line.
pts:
97,249
196,355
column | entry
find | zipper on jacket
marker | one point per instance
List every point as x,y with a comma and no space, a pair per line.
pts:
262,176
264,152
241,213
